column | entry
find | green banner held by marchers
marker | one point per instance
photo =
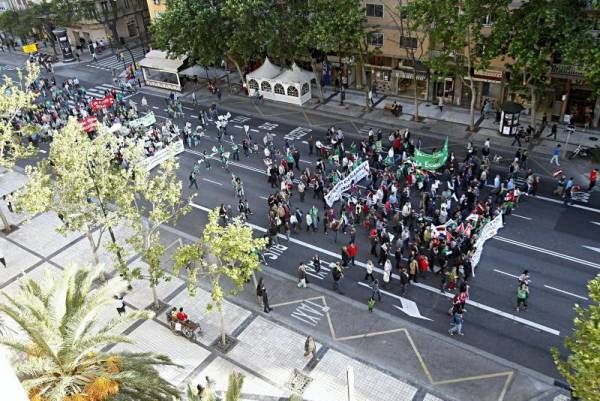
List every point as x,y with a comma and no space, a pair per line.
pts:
431,161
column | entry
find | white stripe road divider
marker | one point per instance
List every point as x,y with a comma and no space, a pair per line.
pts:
420,285
231,163
589,209
566,292
547,286
212,182
548,252
521,217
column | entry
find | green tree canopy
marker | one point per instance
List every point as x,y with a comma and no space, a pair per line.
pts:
228,253
581,368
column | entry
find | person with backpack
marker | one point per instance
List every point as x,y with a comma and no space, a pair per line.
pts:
404,280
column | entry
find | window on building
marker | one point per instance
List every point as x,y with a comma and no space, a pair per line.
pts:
375,10
305,88
252,84
279,89
408,42
126,4
265,86
376,39
487,20
104,6
131,28
291,91
157,2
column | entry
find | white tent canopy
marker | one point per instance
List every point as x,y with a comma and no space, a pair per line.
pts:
296,74
290,86
267,70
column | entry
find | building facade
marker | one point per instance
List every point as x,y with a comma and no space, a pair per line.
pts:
130,18
400,52
156,7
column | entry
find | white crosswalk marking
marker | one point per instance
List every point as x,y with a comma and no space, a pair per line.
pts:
364,130
95,92
111,62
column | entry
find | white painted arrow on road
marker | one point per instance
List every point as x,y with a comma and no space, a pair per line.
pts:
591,248
595,222
409,307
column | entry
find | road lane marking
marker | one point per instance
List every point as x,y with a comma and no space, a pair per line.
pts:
521,217
408,306
548,252
505,273
591,248
211,181
420,285
155,107
566,292
595,222
43,151
231,163
589,209
262,197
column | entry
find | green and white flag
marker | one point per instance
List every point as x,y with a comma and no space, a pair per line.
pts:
431,161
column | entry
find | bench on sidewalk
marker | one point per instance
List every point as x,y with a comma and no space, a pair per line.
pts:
390,107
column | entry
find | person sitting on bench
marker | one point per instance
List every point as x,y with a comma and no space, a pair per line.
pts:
396,108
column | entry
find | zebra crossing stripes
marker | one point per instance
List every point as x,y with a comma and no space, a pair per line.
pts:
364,131
95,92
110,62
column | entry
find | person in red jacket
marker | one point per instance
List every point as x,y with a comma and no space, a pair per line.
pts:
352,251
593,179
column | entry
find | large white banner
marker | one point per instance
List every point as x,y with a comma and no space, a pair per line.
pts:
163,154
487,232
344,185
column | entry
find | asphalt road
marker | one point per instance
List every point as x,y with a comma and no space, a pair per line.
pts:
541,236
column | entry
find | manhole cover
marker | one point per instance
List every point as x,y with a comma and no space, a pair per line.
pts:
298,382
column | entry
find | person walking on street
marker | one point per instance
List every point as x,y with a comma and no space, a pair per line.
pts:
369,274
352,252
555,154
265,299
259,291
553,131
524,278
441,104
593,178
517,137
337,277
316,261
375,292
522,295
404,278
302,275
194,102
310,348
457,320
193,179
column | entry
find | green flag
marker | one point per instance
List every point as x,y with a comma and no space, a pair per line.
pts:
432,161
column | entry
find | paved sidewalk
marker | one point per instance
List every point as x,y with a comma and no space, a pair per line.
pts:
393,360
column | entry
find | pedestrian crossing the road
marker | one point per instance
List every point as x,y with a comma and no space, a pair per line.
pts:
111,61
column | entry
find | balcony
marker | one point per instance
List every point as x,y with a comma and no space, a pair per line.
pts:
566,71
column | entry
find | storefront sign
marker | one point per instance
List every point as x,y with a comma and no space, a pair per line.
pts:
344,185
163,154
146,121
30,48
89,123
102,103
487,232
164,85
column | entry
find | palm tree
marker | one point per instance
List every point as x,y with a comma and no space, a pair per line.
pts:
233,393
60,357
